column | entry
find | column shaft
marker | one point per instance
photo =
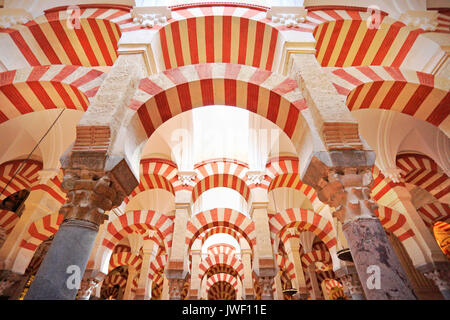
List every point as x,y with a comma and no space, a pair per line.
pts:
65,261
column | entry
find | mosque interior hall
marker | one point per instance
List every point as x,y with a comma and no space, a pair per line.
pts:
224,150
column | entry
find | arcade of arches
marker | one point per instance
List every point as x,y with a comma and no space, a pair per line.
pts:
234,150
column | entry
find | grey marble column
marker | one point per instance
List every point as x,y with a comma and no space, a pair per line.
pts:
379,270
65,262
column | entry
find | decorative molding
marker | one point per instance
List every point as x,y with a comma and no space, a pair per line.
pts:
425,20
187,178
256,177
148,17
10,17
287,16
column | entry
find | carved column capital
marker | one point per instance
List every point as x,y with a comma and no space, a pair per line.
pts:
346,188
90,280
90,194
439,273
175,288
8,281
351,281
266,283
95,181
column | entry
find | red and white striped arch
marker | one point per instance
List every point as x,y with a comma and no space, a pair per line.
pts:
332,283
26,178
156,266
421,95
221,248
222,291
383,189
115,279
282,172
157,287
164,95
423,172
8,220
435,211
221,259
395,222
303,219
316,256
344,39
47,87
155,174
49,39
40,230
225,277
138,221
286,266
225,173
208,34
220,229
443,22
225,217
53,187
125,259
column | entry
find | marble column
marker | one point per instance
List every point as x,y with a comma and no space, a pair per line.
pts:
177,266
132,272
292,247
316,293
348,190
266,283
278,287
194,290
248,291
264,264
165,289
349,278
144,289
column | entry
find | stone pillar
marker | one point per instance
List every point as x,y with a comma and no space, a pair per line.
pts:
132,272
278,287
348,190
439,272
264,264
178,260
144,289
292,247
247,285
335,125
194,291
349,278
266,283
315,290
91,280
165,289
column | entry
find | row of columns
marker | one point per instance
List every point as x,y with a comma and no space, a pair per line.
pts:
339,170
